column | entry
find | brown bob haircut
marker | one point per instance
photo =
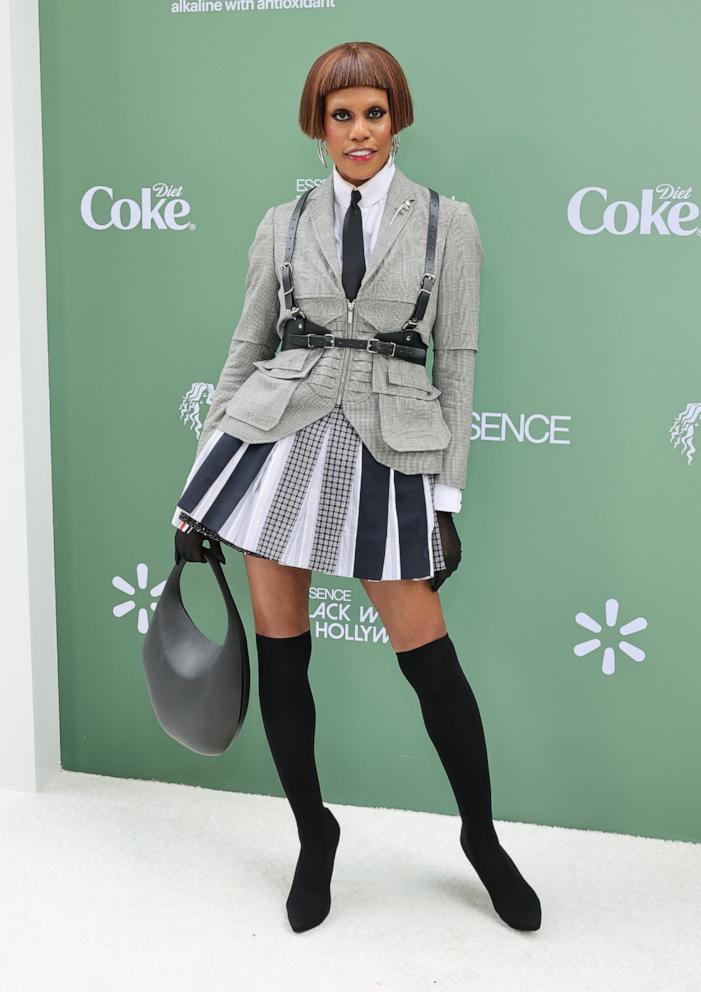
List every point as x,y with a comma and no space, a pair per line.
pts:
354,63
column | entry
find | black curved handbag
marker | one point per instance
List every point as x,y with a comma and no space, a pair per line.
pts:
199,689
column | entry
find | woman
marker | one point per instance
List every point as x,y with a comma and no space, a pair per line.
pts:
336,454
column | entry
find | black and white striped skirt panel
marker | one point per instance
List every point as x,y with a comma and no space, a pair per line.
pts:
315,499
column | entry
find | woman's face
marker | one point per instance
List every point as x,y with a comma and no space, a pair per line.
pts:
357,118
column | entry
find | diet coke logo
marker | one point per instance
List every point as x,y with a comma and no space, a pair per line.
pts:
160,206
674,210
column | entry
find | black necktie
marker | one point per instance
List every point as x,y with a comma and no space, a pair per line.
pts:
353,250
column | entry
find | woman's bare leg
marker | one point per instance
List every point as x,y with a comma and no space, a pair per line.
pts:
280,596
411,611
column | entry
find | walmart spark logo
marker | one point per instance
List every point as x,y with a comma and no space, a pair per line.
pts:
608,662
146,601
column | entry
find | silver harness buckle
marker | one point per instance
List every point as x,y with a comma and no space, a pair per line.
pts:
390,354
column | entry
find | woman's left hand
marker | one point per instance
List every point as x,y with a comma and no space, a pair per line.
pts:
452,548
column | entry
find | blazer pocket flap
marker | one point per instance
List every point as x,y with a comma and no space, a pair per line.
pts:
384,314
404,373
402,378
262,398
319,306
412,424
293,363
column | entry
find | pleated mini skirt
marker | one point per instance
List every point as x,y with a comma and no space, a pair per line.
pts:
316,499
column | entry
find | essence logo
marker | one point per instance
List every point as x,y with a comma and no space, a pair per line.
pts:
535,428
625,217
160,206
195,404
334,616
681,433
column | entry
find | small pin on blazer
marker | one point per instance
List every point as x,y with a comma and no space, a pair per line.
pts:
402,206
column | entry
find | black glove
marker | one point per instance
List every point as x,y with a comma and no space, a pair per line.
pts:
189,546
452,549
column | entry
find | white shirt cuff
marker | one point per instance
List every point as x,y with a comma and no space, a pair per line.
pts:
447,497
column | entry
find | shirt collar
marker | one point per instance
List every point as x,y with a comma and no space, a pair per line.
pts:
373,189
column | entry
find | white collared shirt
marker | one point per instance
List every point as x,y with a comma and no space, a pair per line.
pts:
372,204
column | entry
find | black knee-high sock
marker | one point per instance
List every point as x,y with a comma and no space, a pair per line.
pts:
289,718
454,724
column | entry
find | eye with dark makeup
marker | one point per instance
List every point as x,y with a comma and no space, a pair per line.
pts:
342,110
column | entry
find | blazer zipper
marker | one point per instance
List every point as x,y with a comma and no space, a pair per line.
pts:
350,304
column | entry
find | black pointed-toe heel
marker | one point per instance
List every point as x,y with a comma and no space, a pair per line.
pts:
513,898
308,904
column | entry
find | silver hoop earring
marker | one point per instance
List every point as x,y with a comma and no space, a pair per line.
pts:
322,151
395,146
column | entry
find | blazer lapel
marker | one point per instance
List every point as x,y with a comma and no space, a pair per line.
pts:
401,193
321,205
321,209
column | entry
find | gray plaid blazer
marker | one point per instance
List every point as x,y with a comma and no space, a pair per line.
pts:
407,421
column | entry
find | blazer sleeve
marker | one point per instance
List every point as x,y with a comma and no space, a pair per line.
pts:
255,335
455,339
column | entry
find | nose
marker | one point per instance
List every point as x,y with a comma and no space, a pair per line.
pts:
359,129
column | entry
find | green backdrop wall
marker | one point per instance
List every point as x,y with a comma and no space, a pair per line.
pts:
574,609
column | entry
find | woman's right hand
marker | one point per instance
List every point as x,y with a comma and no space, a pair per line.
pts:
189,546
452,548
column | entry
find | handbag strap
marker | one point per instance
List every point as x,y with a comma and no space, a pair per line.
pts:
427,280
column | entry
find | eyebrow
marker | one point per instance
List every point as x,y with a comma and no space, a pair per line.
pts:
343,106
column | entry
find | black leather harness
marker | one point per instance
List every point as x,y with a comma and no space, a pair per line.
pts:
407,343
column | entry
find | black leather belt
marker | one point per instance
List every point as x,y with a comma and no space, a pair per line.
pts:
404,344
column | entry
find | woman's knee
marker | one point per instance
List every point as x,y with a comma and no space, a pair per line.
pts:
410,611
404,639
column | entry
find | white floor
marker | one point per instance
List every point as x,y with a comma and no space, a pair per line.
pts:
117,884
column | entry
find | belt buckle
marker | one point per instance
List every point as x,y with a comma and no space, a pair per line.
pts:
379,341
330,338
312,336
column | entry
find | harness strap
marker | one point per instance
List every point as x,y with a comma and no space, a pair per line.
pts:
427,280
430,266
396,344
289,248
